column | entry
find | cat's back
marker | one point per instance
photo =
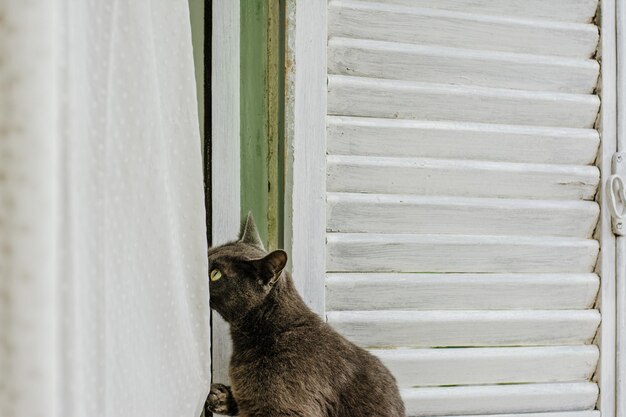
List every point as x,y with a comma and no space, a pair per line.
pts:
370,389
295,361
313,367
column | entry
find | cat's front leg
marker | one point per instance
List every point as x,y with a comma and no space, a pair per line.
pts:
221,401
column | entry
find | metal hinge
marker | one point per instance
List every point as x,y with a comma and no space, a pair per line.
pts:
617,194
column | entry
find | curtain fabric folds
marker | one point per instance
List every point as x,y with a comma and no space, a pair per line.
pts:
103,269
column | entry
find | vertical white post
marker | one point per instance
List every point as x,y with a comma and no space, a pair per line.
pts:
305,137
225,160
620,258
607,125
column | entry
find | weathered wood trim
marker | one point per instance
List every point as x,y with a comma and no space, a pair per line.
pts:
254,113
586,413
620,375
225,129
462,328
305,147
460,29
581,11
459,140
407,92
522,398
274,102
427,63
477,366
365,252
620,259
415,291
260,91
370,97
607,125
397,213
425,176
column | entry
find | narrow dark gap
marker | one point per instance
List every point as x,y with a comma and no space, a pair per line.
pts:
208,27
206,152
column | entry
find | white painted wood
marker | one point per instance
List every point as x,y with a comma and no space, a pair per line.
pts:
620,250
457,140
620,322
474,366
388,291
384,213
523,398
466,328
620,290
561,10
437,64
587,413
371,97
460,178
305,114
365,252
607,124
504,106
225,161
461,30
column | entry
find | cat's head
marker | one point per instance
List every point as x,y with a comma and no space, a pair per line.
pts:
242,273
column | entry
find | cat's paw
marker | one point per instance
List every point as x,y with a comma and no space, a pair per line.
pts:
220,400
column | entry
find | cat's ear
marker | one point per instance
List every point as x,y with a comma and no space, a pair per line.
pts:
270,266
249,233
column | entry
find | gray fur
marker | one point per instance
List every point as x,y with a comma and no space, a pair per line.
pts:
286,361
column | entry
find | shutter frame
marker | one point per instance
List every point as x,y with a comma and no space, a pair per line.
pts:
605,374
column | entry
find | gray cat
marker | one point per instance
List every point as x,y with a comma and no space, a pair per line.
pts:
286,361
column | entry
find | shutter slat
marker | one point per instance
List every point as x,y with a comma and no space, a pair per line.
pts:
457,140
466,328
522,398
587,413
380,291
356,174
562,10
372,97
385,213
460,200
455,29
472,366
436,64
365,252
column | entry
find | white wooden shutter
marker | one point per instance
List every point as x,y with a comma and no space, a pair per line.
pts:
460,199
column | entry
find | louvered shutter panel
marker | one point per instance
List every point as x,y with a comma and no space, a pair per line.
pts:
460,199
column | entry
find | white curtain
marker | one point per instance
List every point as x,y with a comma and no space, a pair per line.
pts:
103,291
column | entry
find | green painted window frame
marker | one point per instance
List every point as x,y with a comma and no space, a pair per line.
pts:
262,110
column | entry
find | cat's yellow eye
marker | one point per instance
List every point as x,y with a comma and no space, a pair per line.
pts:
215,274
